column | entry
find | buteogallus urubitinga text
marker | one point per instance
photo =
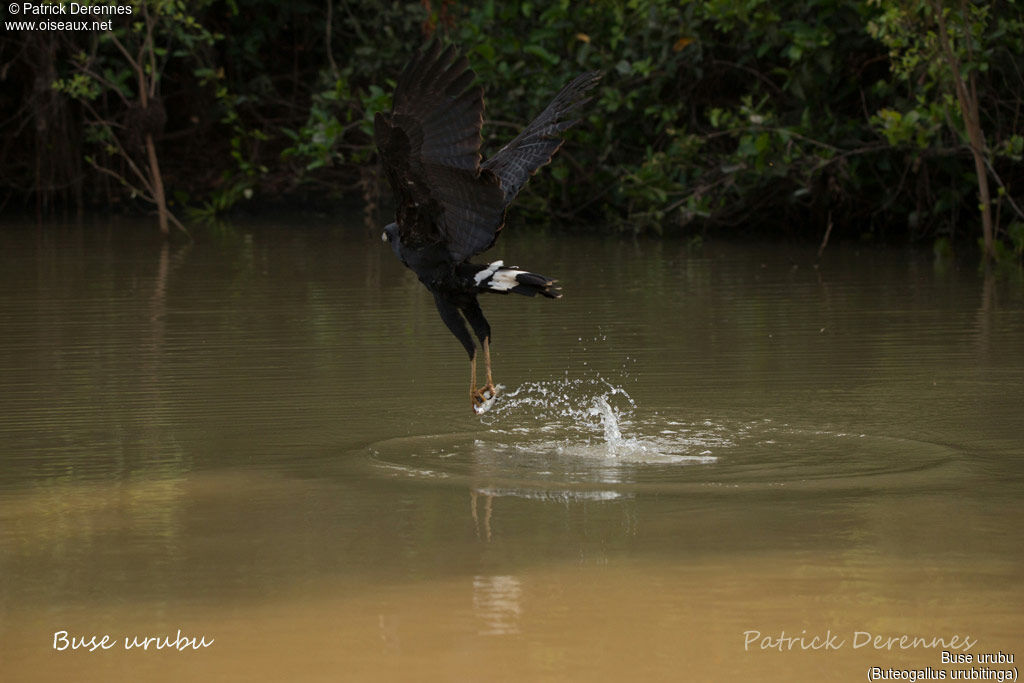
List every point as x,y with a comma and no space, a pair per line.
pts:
451,204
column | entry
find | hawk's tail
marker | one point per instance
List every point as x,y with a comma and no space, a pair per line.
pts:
502,279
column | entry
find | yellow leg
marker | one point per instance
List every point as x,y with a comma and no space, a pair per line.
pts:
479,397
472,383
487,361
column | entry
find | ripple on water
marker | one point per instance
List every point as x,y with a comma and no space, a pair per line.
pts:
588,440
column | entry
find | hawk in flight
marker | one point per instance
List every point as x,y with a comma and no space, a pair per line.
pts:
450,202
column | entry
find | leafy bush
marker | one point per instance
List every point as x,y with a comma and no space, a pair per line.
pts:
714,115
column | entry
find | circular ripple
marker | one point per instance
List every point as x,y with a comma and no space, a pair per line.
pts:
589,441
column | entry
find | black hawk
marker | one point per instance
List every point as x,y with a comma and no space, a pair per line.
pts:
451,204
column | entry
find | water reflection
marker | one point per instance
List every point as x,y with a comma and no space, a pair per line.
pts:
262,437
497,604
488,506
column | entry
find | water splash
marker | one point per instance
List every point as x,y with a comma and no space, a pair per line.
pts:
563,403
612,433
591,418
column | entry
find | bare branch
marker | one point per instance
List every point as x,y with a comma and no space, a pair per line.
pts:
104,80
999,181
119,178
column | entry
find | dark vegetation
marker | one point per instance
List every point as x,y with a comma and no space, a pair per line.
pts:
897,120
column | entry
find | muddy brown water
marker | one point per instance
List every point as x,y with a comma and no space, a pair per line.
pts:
728,462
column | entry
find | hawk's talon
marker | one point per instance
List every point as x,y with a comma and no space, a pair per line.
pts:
482,399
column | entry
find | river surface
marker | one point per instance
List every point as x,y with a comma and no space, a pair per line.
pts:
724,462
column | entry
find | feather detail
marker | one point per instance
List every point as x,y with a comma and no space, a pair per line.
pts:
497,277
537,143
429,147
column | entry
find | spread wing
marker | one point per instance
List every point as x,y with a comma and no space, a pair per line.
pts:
537,143
430,149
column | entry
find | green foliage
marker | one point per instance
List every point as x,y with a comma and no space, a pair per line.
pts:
713,114
79,86
917,128
335,115
1015,231
937,74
